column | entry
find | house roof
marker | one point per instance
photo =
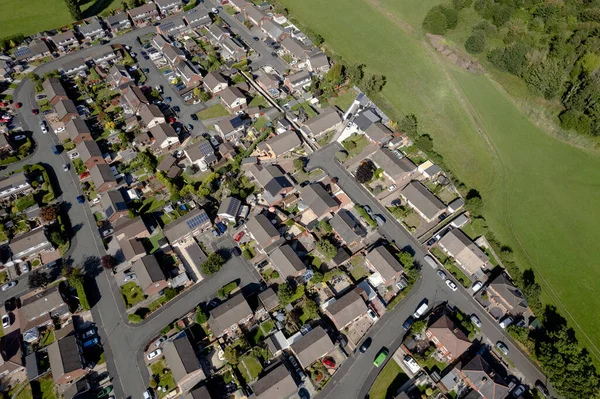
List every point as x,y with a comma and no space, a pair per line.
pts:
53,88
384,262
167,3
40,304
287,261
269,299
144,9
268,79
254,13
277,384
201,149
366,118
228,313
283,143
296,48
271,178
12,181
27,240
64,107
508,293
317,198
101,173
131,247
77,126
172,52
134,96
217,32
213,79
347,227
298,77
74,64
450,336
197,15
93,26
148,112
262,229
326,120
379,133
488,382
181,356
102,52
186,224
36,47
231,94
347,308
312,346
229,206
465,251
162,132
273,29
166,163
130,227
420,197
116,19
64,356
88,149
226,148
148,271
64,36
198,393
318,59
397,167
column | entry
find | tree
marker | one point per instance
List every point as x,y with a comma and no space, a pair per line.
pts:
169,293
231,355
300,163
108,262
110,125
204,96
409,125
286,294
74,275
335,76
317,278
460,4
406,259
38,279
201,316
374,84
364,172
57,238
74,9
474,202
148,160
213,264
435,21
197,91
48,213
326,248
325,226
451,17
310,310
355,73
475,43
425,143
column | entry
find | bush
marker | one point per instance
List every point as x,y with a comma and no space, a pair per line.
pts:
169,293
135,318
451,17
475,43
227,289
201,316
435,21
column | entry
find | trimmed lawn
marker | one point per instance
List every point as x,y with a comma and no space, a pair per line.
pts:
47,388
48,338
355,144
154,239
310,112
388,381
163,379
253,367
258,101
344,100
358,272
132,294
215,111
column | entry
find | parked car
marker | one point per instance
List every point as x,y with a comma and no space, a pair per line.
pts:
214,141
35,111
160,341
451,284
5,321
129,277
367,209
8,286
43,128
507,321
148,394
81,199
10,304
190,126
58,130
442,275
237,251
88,333
430,261
392,187
329,362
477,286
168,99
408,323
475,320
411,364
74,155
24,268
365,345
239,236
66,167
502,347
519,391
372,315
379,220
194,117
55,150
154,354
542,388
176,109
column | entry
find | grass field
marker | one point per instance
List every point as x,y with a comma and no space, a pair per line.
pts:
388,381
539,191
215,111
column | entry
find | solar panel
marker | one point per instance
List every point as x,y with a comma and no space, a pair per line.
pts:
197,220
121,206
20,52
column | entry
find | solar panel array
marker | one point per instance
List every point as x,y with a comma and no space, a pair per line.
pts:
23,51
197,220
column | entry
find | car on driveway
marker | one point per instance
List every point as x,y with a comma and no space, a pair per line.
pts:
237,251
88,333
5,321
176,109
542,388
477,286
129,277
154,354
73,155
475,320
10,304
24,268
214,141
502,347
160,341
8,286
451,284
519,391
58,130
329,362
239,236
442,275
392,187
90,342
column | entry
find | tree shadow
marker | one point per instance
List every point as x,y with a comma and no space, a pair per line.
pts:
553,321
91,266
96,8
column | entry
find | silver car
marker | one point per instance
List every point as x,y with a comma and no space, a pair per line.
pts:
475,320
502,347
129,277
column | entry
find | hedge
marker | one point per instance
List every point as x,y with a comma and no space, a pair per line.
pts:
85,305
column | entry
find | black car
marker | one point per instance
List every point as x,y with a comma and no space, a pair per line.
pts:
10,304
408,323
176,109
542,388
255,38
194,117
237,251
365,345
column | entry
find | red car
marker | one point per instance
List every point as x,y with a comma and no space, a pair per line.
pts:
35,111
4,104
329,362
18,105
239,236
171,120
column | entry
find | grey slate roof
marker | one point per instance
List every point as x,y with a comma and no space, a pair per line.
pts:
181,357
283,143
379,133
113,201
312,346
202,148
398,168
198,393
317,198
41,304
347,227
88,149
24,241
277,384
64,356
464,251
186,224
271,178
510,295
212,79
53,87
101,173
228,313
296,48
384,262
75,127
148,271
269,299
230,95
229,206
346,309
273,29
418,195
262,230
327,119
166,163
482,375
287,261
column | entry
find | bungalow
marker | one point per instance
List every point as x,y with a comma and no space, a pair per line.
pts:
296,49
466,253
229,208
505,297
262,230
233,127
255,15
143,14
318,62
312,347
54,90
168,6
173,54
197,17
422,201
114,206
448,338
187,226
188,73
214,82
346,309
395,166
34,50
13,185
277,384
29,244
318,200
297,81
102,177
130,228
89,153
287,262
268,82
268,299
347,228
232,50
233,99
132,99
102,55
173,28
216,34
364,119
38,309
66,360
381,260
65,40
180,354
456,205
118,77
118,22
149,275
151,115
92,30
226,318
198,152
78,130
378,133
164,136
280,145
274,30
328,119
275,184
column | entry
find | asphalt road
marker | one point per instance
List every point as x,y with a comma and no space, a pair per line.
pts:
355,377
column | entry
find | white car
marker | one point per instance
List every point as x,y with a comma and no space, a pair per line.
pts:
502,347
392,187
477,286
43,128
25,268
8,286
5,321
107,232
451,284
215,10
160,341
74,155
372,315
66,167
58,130
154,354
214,141
129,277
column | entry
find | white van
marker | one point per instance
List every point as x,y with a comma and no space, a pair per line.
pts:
411,364
421,309
477,286
430,261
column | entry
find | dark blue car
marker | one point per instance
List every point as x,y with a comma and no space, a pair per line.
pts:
222,228
81,199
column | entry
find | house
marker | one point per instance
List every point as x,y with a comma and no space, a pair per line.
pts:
466,253
505,297
102,55
66,360
188,73
34,50
172,28
54,90
73,390
40,308
429,170
287,262
132,99
29,244
151,115
364,119
169,166
159,42
143,140
239,5
318,62
164,136
73,67
274,30
114,206
200,392
262,230
12,359
187,226
232,49
232,128
280,145
381,260
6,67
180,354
268,82
130,228
312,347
378,133
173,54
456,205
65,110
316,197
197,17
268,298
5,146
168,6
118,22
13,185
347,228
297,81
199,151
229,208
227,150
232,98
346,309
92,31
396,167
448,338
255,15
276,185
277,384
89,153
481,377
102,177
422,201
214,82
78,130
65,40
118,76
328,119
226,318
215,34
143,14
150,276
295,48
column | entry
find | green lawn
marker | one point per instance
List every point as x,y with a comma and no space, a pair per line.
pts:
358,272
534,186
253,367
47,388
344,100
154,239
388,381
258,101
48,338
132,294
215,111
164,379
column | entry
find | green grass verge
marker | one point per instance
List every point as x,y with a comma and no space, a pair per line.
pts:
388,381
215,111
